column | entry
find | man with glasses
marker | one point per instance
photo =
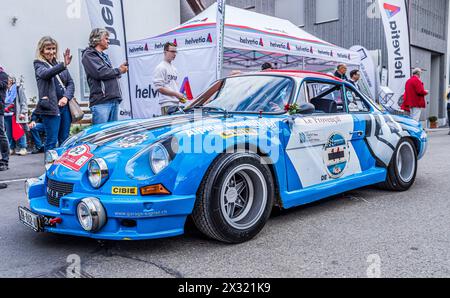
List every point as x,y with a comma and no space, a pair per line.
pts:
165,81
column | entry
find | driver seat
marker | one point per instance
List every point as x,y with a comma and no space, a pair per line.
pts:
324,105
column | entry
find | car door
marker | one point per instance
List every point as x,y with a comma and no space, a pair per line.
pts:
319,146
376,135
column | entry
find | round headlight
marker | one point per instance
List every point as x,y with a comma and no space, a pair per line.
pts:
98,172
91,214
159,158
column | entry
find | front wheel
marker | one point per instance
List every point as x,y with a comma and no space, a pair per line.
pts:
235,199
403,168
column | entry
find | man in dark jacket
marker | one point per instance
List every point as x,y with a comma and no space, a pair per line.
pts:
341,72
103,78
4,144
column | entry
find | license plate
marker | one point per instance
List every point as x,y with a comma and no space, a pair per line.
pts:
30,219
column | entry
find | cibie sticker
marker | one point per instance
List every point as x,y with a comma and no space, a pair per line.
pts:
132,141
336,155
76,158
125,191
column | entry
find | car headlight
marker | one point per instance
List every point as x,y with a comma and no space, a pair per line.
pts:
98,172
159,158
91,214
50,157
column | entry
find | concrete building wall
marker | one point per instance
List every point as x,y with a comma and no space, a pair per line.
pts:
68,22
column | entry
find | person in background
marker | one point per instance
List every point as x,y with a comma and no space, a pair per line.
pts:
15,106
267,66
36,129
103,78
4,146
414,97
55,88
448,108
341,72
355,76
165,80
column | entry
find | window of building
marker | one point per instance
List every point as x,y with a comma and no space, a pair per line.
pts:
292,10
327,11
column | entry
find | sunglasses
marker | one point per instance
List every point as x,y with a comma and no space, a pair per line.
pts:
172,51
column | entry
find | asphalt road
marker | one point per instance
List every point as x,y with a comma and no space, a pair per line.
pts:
388,234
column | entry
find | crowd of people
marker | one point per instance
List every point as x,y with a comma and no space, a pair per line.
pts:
52,116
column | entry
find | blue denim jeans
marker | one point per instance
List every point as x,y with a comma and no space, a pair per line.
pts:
51,125
36,135
64,125
4,146
104,113
21,143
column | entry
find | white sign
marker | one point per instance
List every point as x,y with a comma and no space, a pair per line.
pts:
368,69
108,14
395,21
196,72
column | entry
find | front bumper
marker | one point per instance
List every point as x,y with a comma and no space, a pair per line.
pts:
154,216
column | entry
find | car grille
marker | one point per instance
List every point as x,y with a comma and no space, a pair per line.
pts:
56,190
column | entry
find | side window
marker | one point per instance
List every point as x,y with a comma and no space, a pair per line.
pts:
302,96
355,103
326,97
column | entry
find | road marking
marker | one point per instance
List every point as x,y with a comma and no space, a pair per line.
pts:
17,180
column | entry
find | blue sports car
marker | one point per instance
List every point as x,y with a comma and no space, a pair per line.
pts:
247,144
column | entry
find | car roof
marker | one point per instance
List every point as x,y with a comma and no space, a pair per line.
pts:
302,74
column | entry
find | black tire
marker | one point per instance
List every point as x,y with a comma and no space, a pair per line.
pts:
395,180
210,207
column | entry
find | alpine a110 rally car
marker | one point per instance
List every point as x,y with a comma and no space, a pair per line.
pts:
246,145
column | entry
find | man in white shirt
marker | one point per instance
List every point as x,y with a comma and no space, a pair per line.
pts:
165,80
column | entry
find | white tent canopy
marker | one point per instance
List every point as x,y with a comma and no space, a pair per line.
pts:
250,39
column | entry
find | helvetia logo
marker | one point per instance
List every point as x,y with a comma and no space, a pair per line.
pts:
138,49
199,40
280,45
391,10
186,89
251,41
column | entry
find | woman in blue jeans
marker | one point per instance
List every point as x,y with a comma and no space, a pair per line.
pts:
55,88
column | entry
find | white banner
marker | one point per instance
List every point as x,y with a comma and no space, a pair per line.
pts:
108,14
368,70
395,21
220,23
196,72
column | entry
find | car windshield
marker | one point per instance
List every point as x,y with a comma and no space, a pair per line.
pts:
268,94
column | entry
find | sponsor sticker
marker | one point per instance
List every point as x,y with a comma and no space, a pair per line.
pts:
76,158
124,191
336,155
132,141
239,132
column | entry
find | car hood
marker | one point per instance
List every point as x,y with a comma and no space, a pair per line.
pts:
119,142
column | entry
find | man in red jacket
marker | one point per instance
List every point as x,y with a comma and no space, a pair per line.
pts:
414,98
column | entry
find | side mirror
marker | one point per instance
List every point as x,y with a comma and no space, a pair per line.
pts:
306,109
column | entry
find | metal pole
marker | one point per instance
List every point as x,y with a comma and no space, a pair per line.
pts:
126,57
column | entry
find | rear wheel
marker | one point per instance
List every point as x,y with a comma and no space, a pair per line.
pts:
403,168
235,199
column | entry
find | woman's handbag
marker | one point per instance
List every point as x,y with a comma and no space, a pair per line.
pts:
75,110
74,107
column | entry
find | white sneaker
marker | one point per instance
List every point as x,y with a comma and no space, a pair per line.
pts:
22,152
